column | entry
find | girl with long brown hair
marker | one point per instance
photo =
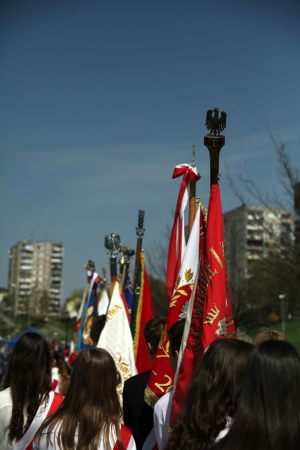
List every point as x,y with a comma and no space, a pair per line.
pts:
268,412
90,415
212,397
27,398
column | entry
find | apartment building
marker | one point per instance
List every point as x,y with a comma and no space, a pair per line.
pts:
253,233
35,276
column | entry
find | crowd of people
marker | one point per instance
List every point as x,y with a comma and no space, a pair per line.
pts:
242,396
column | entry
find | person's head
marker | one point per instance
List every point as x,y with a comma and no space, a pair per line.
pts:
175,334
152,332
91,404
267,334
29,378
268,413
91,366
212,396
96,328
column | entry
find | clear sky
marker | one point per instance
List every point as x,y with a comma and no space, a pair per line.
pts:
99,100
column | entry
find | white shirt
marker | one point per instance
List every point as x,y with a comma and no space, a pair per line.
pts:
5,416
161,419
53,444
6,406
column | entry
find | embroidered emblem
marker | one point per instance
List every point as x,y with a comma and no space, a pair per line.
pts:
212,315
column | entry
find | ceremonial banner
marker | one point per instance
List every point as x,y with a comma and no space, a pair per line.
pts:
116,338
128,293
75,338
161,378
190,350
87,310
177,242
141,313
209,315
214,289
103,302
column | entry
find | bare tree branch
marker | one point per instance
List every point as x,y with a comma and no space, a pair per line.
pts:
234,188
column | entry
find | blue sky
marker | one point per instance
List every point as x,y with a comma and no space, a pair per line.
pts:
101,99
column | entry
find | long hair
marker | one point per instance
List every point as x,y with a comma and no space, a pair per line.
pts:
63,371
29,378
212,396
268,414
91,408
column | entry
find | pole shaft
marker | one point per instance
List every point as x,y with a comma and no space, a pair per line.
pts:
192,204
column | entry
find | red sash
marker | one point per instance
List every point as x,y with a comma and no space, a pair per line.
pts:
56,402
125,434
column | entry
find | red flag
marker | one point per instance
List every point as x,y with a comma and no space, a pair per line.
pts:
217,312
141,313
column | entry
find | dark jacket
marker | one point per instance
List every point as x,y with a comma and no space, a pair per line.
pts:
138,416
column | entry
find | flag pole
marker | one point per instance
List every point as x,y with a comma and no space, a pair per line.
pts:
214,140
127,254
192,195
112,244
140,230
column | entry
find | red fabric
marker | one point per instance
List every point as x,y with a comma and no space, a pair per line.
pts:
217,312
54,384
56,402
177,234
125,435
142,358
72,358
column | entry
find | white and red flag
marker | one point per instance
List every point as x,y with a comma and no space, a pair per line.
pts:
116,338
162,374
190,350
177,241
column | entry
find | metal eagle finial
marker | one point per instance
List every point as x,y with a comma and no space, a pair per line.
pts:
214,123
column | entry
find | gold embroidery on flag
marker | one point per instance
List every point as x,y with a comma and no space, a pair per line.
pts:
207,275
167,385
149,397
215,254
165,349
124,372
212,315
188,275
112,312
176,296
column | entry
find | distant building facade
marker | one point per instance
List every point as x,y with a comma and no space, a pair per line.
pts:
35,277
253,233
